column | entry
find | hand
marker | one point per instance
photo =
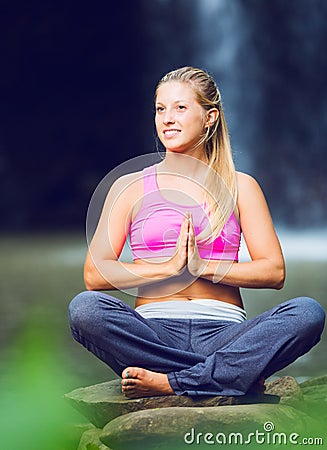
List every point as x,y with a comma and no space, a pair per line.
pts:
179,261
195,263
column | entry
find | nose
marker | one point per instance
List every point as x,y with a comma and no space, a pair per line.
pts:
168,117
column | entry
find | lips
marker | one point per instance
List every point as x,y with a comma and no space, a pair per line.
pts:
172,132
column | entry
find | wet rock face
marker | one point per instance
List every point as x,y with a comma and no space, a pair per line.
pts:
176,422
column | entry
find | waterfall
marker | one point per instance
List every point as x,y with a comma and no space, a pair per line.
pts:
223,35
269,60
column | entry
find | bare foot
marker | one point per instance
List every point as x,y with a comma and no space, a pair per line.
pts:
137,382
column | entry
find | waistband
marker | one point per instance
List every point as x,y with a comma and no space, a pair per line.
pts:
206,309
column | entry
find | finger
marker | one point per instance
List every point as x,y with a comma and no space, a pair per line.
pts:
190,251
186,222
191,234
183,234
190,247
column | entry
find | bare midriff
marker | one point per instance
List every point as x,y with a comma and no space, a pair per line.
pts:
186,287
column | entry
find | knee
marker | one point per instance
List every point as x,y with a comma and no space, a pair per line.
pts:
315,313
310,314
82,309
89,309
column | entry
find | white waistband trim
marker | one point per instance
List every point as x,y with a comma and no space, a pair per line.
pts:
206,309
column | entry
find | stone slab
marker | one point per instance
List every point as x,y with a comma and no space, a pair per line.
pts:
177,428
104,402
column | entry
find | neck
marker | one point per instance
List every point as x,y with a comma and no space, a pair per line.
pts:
197,151
185,165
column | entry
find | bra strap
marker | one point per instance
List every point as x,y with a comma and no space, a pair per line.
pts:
149,179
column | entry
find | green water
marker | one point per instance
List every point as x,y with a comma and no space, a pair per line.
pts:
39,359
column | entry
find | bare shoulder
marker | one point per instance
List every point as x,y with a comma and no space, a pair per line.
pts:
129,181
247,186
246,181
249,193
252,206
127,186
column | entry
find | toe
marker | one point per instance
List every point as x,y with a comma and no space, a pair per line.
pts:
129,372
125,373
127,382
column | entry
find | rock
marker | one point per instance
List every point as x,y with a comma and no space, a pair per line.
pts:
317,381
287,388
76,430
315,397
318,393
176,428
103,402
90,440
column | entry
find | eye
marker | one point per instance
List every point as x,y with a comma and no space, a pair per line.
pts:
181,107
159,109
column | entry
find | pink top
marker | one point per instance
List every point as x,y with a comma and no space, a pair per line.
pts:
155,229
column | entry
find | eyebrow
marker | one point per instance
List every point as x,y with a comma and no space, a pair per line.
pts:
176,101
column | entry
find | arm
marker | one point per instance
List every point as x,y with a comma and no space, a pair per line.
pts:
266,268
102,270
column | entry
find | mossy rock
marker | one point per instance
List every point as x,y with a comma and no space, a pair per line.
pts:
288,389
90,440
315,398
177,428
316,381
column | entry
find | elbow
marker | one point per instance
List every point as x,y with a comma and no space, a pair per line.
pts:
279,278
93,281
89,281
89,286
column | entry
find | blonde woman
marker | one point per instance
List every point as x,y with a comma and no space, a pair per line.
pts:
188,333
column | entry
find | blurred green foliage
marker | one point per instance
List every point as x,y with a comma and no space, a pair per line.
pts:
34,415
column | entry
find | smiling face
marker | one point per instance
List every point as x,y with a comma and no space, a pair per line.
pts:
180,120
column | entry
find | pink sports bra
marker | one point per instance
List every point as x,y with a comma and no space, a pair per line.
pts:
155,228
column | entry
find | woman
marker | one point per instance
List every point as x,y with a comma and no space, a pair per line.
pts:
188,334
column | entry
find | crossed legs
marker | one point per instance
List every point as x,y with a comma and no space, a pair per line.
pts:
193,357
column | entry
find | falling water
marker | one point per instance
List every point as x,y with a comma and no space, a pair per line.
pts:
269,61
222,36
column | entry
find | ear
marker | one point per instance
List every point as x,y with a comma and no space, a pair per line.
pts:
212,116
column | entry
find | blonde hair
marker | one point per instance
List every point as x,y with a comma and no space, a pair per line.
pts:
221,190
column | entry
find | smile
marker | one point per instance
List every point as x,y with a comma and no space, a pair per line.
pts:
171,133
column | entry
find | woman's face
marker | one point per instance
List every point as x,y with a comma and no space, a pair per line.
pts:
180,120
